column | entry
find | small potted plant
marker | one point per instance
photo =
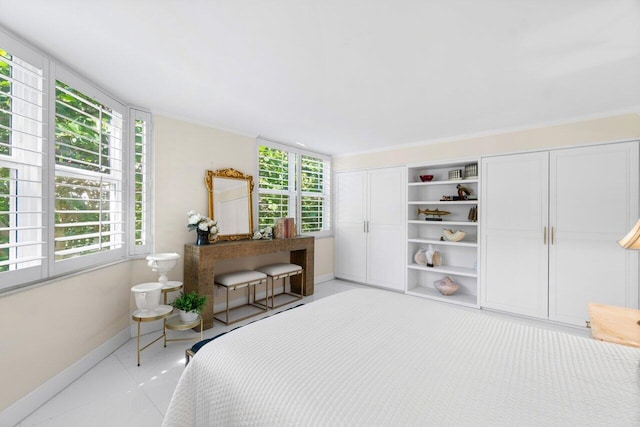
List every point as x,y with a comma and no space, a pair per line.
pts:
190,305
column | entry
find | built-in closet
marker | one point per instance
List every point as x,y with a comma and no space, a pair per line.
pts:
370,226
550,225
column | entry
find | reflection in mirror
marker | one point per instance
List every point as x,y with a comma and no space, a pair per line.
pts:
230,204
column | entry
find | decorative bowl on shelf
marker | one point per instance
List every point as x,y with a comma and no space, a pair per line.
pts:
426,178
453,236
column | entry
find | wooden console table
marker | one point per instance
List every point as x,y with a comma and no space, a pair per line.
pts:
199,264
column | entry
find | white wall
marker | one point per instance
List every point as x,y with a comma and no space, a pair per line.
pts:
625,126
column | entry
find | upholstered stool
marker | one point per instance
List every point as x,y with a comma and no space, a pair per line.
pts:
282,271
238,280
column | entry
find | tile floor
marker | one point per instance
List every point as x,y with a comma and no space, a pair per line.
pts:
117,392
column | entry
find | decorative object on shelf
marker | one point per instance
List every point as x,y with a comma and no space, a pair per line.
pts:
426,178
162,263
453,236
433,257
463,192
446,286
147,295
190,305
429,255
206,228
473,214
433,214
471,171
436,260
285,228
420,257
264,234
455,174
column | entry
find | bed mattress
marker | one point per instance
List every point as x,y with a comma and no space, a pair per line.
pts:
373,358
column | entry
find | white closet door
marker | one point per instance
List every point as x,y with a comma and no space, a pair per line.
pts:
386,224
351,242
514,255
594,202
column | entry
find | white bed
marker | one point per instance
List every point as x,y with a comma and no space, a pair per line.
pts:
370,357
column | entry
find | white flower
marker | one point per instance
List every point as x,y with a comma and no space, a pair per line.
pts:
204,223
194,219
268,230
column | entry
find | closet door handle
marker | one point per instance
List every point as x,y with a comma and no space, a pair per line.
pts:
552,236
544,235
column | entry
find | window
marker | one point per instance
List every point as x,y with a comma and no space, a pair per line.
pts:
293,183
89,206
74,171
140,184
21,163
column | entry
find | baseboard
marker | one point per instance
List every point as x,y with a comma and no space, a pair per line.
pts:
38,397
323,278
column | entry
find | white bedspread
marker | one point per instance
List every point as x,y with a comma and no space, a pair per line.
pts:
373,358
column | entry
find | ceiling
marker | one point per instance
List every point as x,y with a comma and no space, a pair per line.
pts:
345,76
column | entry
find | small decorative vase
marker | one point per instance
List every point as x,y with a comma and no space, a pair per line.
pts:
188,316
203,237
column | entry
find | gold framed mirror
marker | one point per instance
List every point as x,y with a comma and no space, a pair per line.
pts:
230,202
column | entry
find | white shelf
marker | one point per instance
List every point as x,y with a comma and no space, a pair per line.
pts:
450,181
443,202
421,222
444,242
427,195
447,269
432,293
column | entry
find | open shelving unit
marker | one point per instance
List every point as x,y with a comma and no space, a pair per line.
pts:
459,259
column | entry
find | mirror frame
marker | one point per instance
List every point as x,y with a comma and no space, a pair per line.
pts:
230,174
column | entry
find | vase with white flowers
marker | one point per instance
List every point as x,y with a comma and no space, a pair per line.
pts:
206,227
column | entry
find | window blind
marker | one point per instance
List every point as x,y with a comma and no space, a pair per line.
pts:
140,187
89,208
22,156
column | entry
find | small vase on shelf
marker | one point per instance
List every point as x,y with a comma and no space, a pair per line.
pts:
203,237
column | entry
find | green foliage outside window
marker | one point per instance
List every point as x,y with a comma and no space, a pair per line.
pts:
83,131
83,142
278,188
5,149
4,215
5,104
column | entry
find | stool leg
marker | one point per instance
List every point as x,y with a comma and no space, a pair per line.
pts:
227,311
138,343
